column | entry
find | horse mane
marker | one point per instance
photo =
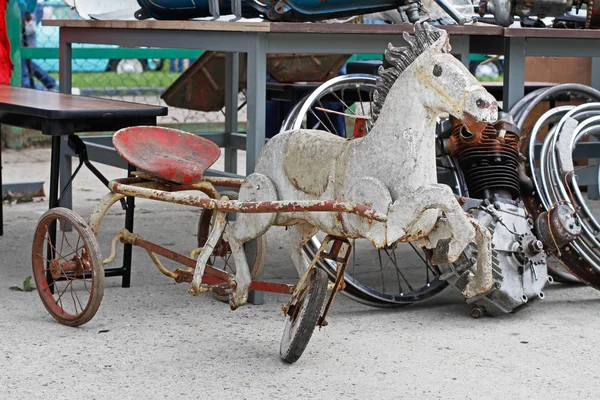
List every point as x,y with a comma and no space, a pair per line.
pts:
397,59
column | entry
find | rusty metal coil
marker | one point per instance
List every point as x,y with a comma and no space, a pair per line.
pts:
555,182
488,161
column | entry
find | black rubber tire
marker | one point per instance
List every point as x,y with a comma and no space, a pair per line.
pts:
299,327
89,254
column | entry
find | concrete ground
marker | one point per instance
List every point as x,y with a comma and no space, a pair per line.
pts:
155,341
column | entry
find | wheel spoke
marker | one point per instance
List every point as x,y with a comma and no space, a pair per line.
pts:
319,119
340,100
329,119
393,261
74,292
60,295
427,264
60,256
360,101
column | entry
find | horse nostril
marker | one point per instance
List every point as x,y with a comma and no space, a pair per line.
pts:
482,103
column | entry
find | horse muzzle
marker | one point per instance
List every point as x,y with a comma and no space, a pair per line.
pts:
480,109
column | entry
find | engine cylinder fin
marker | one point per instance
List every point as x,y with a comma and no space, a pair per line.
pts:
489,161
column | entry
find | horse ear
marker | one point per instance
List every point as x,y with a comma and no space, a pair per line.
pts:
438,38
443,43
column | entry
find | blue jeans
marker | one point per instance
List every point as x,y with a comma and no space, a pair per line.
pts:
48,82
176,65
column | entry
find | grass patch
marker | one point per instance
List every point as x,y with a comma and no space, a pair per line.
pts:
488,79
84,80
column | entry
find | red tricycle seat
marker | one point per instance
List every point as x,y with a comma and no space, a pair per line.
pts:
169,154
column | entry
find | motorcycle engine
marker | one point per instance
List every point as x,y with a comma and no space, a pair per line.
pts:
490,165
518,259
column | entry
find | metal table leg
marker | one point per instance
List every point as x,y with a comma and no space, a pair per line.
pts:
53,200
231,108
514,71
66,169
128,248
465,53
595,73
255,135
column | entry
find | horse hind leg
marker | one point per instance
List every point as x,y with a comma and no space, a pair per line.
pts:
294,239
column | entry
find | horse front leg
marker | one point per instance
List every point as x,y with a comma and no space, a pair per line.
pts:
248,226
242,277
483,281
415,215
450,235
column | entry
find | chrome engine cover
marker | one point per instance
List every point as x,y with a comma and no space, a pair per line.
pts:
519,261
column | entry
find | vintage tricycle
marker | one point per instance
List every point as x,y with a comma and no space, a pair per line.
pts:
381,187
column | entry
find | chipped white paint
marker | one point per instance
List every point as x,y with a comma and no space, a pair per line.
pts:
392,168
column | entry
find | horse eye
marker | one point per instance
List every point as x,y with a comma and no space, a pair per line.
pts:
437,70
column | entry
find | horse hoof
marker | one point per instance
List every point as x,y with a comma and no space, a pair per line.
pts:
235,301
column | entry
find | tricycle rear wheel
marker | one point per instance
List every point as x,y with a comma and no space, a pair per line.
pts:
303,315
70,277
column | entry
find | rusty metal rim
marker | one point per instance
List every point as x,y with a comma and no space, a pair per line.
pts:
578,257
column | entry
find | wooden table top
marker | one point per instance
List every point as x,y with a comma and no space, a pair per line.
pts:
296,27
164,25
53,105
272,27
552,33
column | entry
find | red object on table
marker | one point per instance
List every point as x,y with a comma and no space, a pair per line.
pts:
170,154
5,63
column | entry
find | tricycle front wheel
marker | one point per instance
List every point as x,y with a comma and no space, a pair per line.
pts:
302,316
69,272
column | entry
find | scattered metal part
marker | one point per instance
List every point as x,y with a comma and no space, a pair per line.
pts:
592,20
504,11
22,192
558,226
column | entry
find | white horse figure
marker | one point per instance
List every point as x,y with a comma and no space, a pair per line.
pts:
393,168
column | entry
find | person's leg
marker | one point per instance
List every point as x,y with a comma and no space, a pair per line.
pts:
47,80
26,80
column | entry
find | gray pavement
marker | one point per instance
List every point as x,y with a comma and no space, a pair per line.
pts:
155,341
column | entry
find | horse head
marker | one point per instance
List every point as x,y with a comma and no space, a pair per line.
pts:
444,84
